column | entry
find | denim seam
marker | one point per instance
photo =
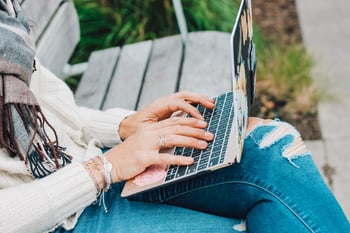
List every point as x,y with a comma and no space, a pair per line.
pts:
254,185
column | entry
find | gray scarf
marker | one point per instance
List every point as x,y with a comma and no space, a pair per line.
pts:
23,127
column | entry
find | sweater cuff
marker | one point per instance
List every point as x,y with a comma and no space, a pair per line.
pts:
70,189
105,125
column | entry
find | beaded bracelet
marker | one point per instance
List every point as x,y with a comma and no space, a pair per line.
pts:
105,171
88,168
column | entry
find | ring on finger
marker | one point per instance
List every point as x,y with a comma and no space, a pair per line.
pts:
161,141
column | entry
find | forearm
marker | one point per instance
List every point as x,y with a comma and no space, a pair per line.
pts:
41,204
56,97
105,125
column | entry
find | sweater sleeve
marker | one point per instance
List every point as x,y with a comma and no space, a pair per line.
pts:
53,94
43,204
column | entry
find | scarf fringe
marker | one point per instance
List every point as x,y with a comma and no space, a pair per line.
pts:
42,155
24,130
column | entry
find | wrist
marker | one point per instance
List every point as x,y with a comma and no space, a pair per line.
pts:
115,178
107,168
100,171
126,127
94,169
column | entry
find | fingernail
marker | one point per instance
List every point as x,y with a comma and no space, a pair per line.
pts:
209,135
202,123
202,144
189,160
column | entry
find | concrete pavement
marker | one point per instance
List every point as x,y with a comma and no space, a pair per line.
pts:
325,29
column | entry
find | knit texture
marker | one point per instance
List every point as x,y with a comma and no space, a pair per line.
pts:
48,202
83,132
23,126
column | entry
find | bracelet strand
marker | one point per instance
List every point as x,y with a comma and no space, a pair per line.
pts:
100,175
99,183
104,180
107,172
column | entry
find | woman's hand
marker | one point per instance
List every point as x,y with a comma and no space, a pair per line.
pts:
142,149
163,108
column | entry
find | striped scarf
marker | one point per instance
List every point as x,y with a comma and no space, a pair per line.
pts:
23,126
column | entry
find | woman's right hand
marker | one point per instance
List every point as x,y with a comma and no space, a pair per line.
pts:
142,149
163,108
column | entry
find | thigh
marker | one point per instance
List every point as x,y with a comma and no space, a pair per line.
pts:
274,183
133,216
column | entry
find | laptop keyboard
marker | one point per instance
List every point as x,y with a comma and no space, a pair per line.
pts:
219,123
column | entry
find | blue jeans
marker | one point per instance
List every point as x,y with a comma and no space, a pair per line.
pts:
266,192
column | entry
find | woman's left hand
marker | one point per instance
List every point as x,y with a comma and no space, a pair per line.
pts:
144,148
163,108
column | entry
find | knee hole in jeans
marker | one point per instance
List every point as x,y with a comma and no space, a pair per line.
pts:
292,150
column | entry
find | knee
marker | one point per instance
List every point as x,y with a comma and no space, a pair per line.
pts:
277,131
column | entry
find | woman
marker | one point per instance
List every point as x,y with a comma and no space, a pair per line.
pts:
52,170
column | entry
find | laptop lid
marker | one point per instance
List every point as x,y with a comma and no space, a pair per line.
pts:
243,68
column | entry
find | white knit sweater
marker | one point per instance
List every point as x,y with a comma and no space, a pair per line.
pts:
58,199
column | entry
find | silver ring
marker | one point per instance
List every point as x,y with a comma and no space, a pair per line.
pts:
161,141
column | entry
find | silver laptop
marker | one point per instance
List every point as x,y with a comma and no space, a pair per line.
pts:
227,121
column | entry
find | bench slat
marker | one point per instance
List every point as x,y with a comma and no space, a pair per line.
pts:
59,39
207,65
163,69
95,81
39,13
128,78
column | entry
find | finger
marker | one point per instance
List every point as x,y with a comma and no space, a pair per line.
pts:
180,121
169,159
184,101
189,132
196,98
183,141
188,108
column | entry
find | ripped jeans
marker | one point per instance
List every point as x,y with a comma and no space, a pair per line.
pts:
275,188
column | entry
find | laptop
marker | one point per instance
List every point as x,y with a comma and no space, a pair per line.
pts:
227,121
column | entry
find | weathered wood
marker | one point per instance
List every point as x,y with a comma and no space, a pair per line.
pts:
39,14
147,72
207,63
94,84
163,69
55,29
128,79
60,39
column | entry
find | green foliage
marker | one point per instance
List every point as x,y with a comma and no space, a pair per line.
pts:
115,22
210,15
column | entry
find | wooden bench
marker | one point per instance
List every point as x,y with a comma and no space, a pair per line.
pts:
135,74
